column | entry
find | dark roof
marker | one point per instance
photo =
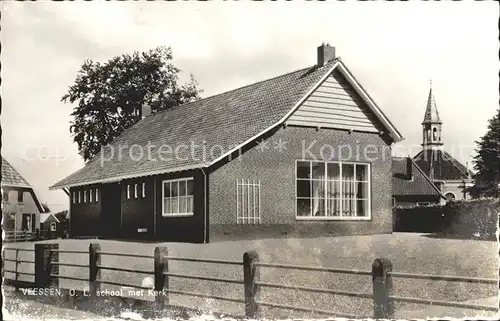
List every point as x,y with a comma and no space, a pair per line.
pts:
445,167
431,111
221,122
11,177
404,185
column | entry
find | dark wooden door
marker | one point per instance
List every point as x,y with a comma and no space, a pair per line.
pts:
111,210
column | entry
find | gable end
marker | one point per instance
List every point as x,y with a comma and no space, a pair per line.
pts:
335,104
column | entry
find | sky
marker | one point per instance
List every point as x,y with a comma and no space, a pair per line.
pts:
393,49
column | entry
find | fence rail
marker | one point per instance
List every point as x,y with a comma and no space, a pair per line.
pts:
444,278
47,274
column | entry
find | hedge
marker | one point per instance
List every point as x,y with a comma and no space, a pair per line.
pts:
476,219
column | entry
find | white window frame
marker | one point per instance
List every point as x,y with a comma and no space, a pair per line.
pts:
128,192
136,195
85,196
53,226
248,202
79,196
335,218
90,195
74,197
96,195
163,214
143,190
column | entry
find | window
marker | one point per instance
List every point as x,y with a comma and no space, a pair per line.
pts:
96,195
423,203
20,195
79,196
332,190
178,197
74,197
143,190
135,191
53,226
5,195
128,192
91,195
85,196
393,202
247,202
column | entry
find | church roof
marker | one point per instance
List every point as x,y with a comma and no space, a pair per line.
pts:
431,112
440,165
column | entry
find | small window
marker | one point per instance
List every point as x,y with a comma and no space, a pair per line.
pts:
143,190
178,197
90,195
20,195
128,192
393,202
53,226
135,191
79,196
96,195
5,195
248,201
85,196
423,203
74,197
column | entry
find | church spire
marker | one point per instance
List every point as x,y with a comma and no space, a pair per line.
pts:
431,126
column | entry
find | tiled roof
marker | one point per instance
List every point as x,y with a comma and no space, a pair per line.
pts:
402,185
225,120
196,134
11,177
445,167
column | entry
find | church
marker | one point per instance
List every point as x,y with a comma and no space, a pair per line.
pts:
444,177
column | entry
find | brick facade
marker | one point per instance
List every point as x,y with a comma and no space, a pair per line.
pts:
276,172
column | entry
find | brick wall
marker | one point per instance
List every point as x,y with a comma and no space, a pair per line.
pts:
276,172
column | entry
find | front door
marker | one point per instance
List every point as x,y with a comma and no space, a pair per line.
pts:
28,223
111,222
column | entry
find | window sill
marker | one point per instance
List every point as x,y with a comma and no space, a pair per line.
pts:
177,215
333,218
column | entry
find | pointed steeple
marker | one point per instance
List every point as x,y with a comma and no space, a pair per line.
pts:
432,124
431,112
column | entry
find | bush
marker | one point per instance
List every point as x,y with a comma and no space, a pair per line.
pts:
476,219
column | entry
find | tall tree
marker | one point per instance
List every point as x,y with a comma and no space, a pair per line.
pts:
108,96
487,161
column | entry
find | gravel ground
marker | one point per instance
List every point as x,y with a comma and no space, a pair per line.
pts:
408,252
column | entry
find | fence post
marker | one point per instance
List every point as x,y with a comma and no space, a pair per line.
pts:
161,280
44,266
383,307
251,276
94,271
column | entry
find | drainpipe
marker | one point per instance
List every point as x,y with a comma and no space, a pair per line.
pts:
204,205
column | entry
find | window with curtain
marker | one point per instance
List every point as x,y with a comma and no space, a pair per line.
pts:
178,196
332,190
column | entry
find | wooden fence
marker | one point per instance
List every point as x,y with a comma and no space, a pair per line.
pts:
19,236
46,274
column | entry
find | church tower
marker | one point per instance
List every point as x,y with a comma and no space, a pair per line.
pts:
432,125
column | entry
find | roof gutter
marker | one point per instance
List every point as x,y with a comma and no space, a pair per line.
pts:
128,176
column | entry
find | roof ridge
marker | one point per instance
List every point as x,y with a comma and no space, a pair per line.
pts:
17,172
238,88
